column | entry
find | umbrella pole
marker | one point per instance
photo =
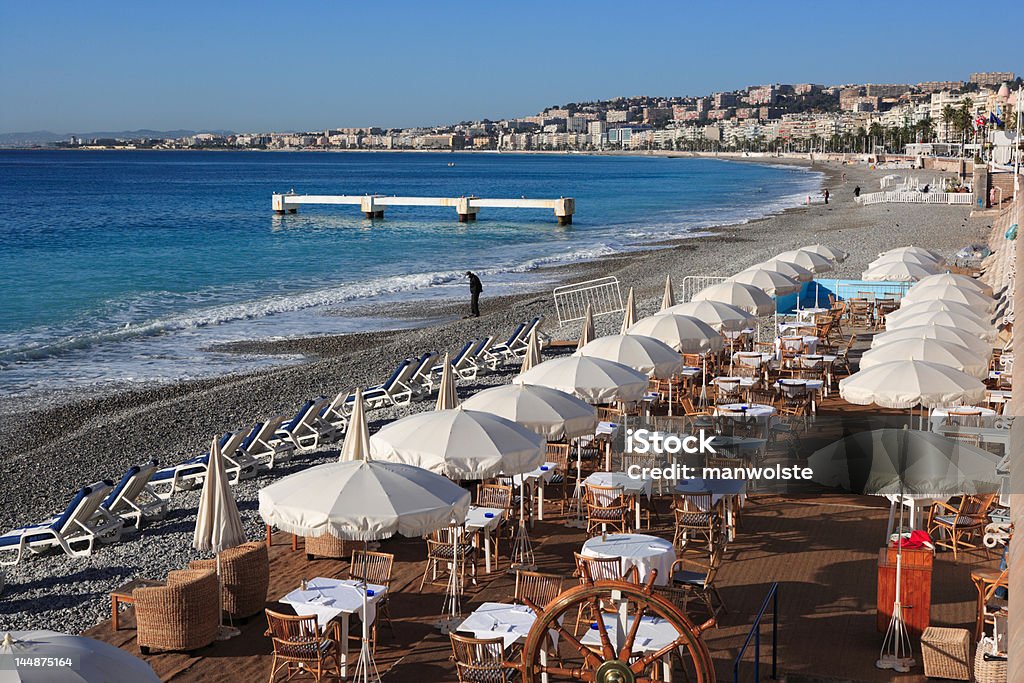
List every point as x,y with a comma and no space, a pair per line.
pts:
522,550
223,632
576,518
896,653
366,668
452,609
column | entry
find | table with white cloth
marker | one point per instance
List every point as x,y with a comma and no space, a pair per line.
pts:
510,622
810,345
535,480
758,410
606,433
653,634
729,493
814,388
631,487
329,599
917,506
643,551
944,412
484,521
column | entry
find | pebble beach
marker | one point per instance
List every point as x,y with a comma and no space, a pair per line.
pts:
53,449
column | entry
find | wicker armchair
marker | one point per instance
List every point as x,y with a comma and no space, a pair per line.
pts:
245,577
181,615
325,545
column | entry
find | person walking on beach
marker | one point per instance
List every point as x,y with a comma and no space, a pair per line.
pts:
826,195
475,287
856,192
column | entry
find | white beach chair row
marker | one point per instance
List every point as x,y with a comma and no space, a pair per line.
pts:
100,511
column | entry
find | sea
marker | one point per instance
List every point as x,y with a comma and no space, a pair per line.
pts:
125,268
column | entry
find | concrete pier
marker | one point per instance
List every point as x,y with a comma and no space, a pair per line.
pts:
466,208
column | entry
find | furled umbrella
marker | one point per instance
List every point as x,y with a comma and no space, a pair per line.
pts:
816,263
745,297
218,524
770,282
650,356
896,271
718,316
930,350
447,396
904,462
587,331
594,380
668,300
940,332
532,355
831,253
90,660
967,323
629,316
790,270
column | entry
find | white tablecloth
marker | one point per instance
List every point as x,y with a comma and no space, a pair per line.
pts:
810,344
628,484
497,619
545,472
944,412
653,633
477,518
752,410
329,598
636,550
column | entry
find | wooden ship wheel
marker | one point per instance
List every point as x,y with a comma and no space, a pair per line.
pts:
611,656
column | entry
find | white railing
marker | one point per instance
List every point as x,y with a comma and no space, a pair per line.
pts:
602,295
867,290
913,197
696,283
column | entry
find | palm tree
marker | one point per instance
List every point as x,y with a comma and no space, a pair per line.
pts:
874,132
926,127
948,117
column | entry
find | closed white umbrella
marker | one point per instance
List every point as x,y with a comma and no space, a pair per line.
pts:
587,331
357,436
957,280
92,661
790,270
910,383
916,259
919,251
967,323
816,263
896,271
553,414
668,299
770,282
950,292
594,380
650,356
912,308
930,350
942,333
629,317
683,333
718,316
831,253
461,444
447,397
532,355
748,298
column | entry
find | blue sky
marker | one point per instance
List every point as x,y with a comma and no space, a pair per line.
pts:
85,66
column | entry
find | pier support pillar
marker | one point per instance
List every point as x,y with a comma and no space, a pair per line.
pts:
466,212
565,207
280,207
370,208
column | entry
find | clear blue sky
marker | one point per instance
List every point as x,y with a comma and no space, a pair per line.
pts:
85,66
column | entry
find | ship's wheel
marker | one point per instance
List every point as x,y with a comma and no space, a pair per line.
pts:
609,656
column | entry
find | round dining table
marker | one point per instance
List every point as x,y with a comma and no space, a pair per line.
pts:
643,551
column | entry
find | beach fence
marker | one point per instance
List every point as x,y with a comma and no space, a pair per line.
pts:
603,295
697,283
915,197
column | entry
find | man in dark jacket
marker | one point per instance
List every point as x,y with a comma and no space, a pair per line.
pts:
474,289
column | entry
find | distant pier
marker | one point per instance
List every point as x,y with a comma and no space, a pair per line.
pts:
467,208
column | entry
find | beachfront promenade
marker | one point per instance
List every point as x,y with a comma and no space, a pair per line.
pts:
373,205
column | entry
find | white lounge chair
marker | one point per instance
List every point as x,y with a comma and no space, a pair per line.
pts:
133,500
308,430
496,354
395,391
459,361
261,445
190,473
420,380
338,411
480,359
515,348
75,530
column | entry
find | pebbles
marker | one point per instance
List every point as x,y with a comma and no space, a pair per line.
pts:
52,451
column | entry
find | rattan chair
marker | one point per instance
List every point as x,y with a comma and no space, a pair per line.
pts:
244,577
375,567
698,580
325,545
538,587
441,551
595,569
564,478
960,522
480,660
694,515
181,615
300,646
606,509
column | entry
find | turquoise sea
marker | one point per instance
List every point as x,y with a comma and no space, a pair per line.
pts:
120,267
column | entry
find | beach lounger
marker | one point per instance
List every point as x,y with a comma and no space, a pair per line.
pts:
395,391
514,349
75,530
133,500
308,429
338,411
261,446
420,381
479,359
190,473
459,362
496,354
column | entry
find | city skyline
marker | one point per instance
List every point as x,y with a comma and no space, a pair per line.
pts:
244,67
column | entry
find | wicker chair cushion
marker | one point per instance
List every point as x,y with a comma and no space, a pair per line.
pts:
690,578
605,513
305,650
485,675
445,551
701,519
959,520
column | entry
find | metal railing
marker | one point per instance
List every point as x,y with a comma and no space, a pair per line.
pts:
755,635
602,295
864,289
913,197
696,283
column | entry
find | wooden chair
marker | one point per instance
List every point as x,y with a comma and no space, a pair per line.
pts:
987,582
375,567
607,509
962,417
790,348
695,515
698,579
608,414
441,548
501,496
564,478
960,522
860,313
728,390
479,660
842,361
539,588
595,569
300,646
